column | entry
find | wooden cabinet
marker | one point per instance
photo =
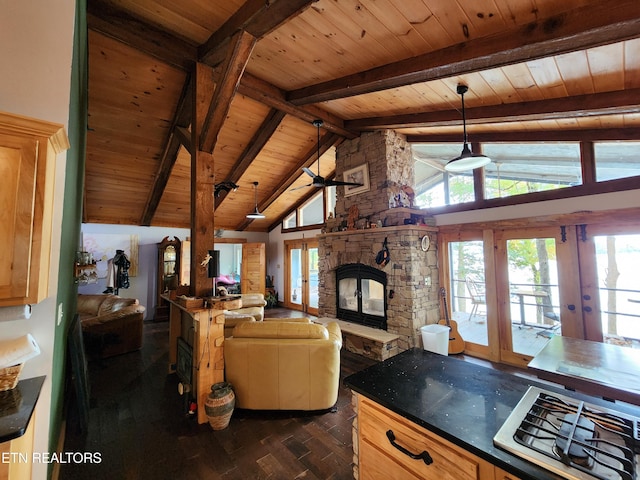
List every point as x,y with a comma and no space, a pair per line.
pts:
387,442
28,149
502,475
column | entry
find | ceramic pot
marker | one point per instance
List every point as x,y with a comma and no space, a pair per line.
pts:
219,405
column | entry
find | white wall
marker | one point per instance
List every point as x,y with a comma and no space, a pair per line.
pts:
143,285
604,201
36,47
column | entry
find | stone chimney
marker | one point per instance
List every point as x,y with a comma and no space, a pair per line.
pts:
355,236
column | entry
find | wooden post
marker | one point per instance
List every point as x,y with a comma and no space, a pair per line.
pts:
202,184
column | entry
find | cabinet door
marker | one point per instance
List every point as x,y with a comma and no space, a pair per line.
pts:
27,168
18,164
379,458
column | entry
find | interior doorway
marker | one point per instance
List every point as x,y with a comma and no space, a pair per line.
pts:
301,279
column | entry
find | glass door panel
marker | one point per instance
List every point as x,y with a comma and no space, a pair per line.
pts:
532,304
372,297
312,275
617,265
467,291
295,277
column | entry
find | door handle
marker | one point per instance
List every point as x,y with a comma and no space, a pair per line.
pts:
424,455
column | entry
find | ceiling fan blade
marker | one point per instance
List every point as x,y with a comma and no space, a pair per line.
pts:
308,172
303,186
330,183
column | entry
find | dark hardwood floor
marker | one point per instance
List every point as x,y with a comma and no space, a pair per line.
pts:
140,426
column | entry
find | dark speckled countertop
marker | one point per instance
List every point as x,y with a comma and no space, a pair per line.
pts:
16,407
463,402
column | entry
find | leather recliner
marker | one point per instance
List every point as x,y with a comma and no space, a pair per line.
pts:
279,365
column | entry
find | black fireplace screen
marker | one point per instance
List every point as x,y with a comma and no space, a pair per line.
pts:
361,295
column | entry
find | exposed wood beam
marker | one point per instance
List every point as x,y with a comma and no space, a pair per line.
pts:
269,95
603,134
236,61
255,145
579,106
596,24
184,135
113,22
162,47
170,151
327,141
258,17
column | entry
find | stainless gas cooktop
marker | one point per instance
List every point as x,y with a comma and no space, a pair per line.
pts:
571,438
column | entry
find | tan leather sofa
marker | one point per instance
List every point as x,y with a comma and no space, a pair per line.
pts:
111,325
252,309
276,365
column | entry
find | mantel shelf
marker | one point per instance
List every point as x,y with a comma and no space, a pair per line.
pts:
397,228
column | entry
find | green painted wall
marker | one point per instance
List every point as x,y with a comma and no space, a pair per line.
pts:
71,220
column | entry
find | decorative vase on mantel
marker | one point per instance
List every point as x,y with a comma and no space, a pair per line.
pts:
219,405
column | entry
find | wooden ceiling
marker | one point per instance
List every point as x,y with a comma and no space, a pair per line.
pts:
536,69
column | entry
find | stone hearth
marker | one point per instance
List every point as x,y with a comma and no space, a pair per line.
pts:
412,275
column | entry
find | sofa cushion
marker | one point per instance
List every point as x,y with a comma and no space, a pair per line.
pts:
297,330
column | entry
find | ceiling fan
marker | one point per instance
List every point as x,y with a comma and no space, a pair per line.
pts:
317,180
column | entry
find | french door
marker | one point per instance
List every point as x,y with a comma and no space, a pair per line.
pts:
511,290
538,272
301,280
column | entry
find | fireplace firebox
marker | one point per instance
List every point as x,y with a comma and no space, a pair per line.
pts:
362,295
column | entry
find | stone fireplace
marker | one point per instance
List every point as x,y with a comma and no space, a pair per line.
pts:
363,223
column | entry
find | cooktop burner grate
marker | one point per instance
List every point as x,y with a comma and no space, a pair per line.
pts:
599,443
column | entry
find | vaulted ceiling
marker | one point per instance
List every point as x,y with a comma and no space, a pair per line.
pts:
536,69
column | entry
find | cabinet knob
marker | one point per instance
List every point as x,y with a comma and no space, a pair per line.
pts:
424,456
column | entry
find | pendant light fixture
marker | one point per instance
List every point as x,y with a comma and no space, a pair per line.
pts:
256,213
467,159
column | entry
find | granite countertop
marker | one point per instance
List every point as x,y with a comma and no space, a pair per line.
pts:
16,407
460,401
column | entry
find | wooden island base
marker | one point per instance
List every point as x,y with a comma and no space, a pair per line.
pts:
202,329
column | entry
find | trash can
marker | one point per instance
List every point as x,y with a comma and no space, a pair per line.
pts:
435,338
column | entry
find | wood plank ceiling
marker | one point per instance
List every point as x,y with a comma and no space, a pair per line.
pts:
533,67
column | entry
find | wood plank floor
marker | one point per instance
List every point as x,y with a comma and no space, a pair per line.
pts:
139,425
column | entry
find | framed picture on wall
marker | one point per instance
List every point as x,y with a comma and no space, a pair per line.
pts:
359,174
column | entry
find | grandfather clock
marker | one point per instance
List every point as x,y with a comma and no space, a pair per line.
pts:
168,274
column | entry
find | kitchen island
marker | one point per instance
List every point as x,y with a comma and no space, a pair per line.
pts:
457,406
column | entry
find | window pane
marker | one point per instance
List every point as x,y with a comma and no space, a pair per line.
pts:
430,159
330,195
312,212
290,221
520,168
616,160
